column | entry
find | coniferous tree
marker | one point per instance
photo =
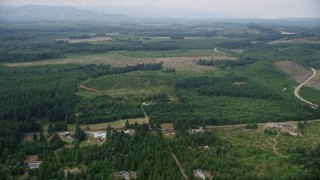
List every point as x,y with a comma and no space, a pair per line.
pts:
35,137
79,134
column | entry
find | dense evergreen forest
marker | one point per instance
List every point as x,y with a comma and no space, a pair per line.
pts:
46,110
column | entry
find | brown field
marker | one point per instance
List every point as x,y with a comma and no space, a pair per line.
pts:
93,39
293,70
116,60
315,82
298,72
31,158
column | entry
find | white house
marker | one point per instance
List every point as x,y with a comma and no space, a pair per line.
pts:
200,174
100,135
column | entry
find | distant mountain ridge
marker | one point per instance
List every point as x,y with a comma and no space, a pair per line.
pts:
36,13
124,13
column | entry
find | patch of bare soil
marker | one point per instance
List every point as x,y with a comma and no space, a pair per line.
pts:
237,50
293,70
190,63
315,82
31,158
298,73
93,39
179,63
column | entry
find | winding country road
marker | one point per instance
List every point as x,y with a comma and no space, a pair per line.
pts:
297,89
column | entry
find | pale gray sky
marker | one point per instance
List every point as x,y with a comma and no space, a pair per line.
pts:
258,8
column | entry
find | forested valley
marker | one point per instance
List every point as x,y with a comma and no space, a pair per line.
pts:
160,100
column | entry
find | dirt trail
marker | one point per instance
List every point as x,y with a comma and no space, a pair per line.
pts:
297,89
179,165
215,49
144,112
90,89
274,147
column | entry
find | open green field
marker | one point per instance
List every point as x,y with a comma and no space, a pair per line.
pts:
135,84
253,148
120,124
250,153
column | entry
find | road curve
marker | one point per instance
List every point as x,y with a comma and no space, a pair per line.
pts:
215,49
297,89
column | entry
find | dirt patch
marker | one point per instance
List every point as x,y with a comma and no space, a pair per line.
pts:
28,137
287,33
315,82
94,39
239,83
298,72
237,50
167,126
179,63
168,130
31,158
189,63
293,70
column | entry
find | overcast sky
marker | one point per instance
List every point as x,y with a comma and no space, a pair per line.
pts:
252,8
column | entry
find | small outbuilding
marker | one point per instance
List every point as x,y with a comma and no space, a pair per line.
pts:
100,135
34,165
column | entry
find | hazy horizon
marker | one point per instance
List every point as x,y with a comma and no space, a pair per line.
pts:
231,8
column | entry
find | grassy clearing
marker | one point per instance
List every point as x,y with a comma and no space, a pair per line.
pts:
31,158
27,138
116,124
174,53
168,130
140,83
254,148
308,140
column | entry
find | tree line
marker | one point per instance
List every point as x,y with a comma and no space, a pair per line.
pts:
223,64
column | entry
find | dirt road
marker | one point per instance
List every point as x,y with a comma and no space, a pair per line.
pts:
297,89
274,147
179,165
90,89
259,124
215,49
144,112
